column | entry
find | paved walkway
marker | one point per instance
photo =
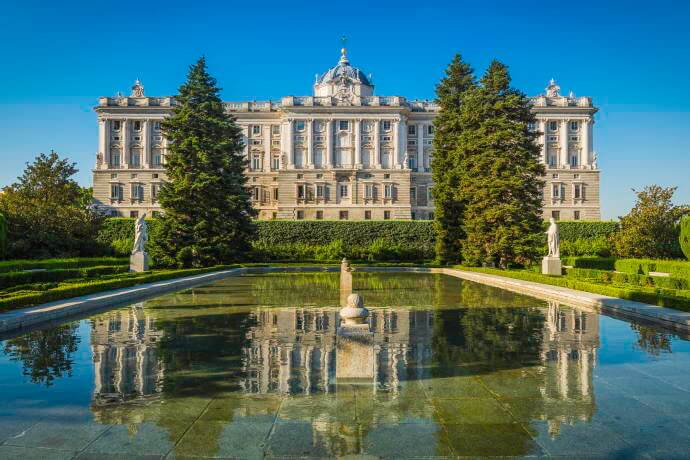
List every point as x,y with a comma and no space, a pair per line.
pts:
667,317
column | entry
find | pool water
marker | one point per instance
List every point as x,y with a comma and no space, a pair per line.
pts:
247,367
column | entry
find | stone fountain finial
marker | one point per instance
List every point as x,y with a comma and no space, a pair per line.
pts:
354,312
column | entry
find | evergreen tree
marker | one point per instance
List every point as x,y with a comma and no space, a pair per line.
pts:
501,176
445,164
207,212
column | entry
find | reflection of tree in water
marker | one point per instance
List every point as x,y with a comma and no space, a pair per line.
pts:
45,354
652,340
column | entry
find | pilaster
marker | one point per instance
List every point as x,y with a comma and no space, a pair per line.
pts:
329,143
146,143
310,143
377,143
564,144
125,143
420,146
358,143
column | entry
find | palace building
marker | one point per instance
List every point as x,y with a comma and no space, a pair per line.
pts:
342,153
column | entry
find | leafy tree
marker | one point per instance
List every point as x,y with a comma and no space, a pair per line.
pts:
45,355
207,210
651,230
501,176
685,236
3,236
445,163
48,213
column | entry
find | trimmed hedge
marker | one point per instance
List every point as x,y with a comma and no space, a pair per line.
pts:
684,239
397,240
634,279
678,299
54,264
68,290
599,263
677,268
10,279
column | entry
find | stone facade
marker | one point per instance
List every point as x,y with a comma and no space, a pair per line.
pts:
342,153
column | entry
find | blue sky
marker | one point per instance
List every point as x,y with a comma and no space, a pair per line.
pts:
59,57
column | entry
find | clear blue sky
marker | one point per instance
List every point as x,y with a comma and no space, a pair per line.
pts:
59,57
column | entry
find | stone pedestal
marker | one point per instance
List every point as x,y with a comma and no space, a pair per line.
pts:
551,266
139,262
355,354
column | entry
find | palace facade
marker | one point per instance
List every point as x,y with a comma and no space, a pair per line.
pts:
343,153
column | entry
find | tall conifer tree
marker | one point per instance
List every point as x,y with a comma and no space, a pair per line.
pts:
206,207
501,181
445,164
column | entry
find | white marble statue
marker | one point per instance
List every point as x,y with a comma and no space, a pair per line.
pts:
554,239
140,235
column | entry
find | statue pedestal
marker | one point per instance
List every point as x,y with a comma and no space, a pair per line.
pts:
355,354
139,262
551,266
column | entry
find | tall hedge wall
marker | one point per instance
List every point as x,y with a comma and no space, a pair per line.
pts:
685,236
418,236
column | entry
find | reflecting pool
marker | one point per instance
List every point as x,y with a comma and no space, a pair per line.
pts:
246,367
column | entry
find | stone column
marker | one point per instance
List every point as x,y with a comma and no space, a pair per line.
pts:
544,150
396,144
564,143
377,143
401,140
358,143
289,140
268,141
102,130
146,141
585,152
329,143
420,146
310,143
124,161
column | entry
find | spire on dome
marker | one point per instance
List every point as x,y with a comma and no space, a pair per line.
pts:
553,89
137,89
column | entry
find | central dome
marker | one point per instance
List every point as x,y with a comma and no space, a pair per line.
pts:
344,70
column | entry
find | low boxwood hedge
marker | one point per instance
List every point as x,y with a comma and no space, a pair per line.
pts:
677,299
54,264
68,290
634,279
677,268
9,279
599,263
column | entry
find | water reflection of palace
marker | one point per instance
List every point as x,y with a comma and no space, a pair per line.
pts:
570,343
294,351
124,346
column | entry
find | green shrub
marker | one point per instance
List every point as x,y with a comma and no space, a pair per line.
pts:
3,236
585,230
69,290
685,236
54,264
599,263
10,279
598,246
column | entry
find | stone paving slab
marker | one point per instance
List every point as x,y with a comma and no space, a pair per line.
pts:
667,317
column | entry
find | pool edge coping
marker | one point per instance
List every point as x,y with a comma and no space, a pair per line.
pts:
20,319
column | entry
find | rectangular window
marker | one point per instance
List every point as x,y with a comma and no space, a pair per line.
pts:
367,215
256,129
300,215
531,126
412,162
386,125
154,191
301,192
430,130
116,192
299,125
429,194
343,125
412,130
156,125
135,159
556,215
577,191
576,215
556,190
319,215
573,159
275,194
386,215
137,125
343,191
256,162
413,196
343,215
319,191
388,191
256,193
117,124
275,163
137,192
156,159
275,130
133,214
574,126
553,125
